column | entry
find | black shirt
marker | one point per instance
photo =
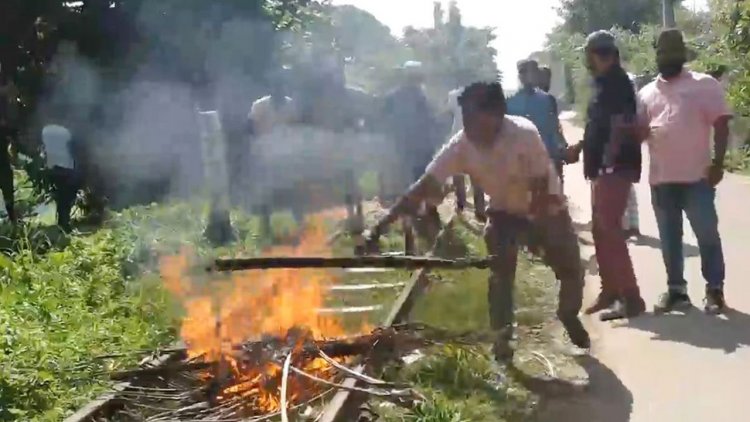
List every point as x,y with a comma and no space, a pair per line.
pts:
614,95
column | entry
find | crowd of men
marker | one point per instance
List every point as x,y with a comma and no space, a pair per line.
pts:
513,150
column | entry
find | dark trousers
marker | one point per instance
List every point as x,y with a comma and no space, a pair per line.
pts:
66,184
697,201
557,245
6,174
609,198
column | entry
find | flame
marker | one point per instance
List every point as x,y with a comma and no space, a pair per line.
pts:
221,314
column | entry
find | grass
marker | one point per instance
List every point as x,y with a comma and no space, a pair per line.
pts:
463,383
66,300
738,160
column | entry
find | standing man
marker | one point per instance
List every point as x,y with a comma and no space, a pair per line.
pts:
58,148
507,159
536,105
8,94
682,107
612,161
545,83
273,110
411,125
459,181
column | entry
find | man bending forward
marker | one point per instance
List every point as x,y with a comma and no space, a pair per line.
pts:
507,159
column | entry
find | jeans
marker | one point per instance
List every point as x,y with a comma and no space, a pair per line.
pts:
670,200
558,244
609,200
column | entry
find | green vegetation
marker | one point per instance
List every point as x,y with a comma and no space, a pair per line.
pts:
66,300
464,383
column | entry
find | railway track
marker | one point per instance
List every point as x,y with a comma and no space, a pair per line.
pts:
344,405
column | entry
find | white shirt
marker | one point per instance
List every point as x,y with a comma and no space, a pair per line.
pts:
56,141
266,115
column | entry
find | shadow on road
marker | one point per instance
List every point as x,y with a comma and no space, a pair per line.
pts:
652,242
728,332
605,400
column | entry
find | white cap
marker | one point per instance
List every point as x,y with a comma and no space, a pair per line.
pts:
412,64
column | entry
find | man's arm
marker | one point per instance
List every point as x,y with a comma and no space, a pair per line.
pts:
544,186
721,139
427,188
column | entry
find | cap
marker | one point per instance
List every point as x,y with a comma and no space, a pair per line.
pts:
600,40
412,65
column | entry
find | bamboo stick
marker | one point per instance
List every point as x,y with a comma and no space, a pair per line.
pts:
405,262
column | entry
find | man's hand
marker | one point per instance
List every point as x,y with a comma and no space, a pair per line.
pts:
573,153
372,242
715,174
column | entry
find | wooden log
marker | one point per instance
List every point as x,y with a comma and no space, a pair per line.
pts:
344,405
405,262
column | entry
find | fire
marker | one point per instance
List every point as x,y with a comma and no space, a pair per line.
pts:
223,314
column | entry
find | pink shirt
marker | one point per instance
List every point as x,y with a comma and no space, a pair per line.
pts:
681,113
505,169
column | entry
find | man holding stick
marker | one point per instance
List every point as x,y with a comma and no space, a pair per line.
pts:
506,157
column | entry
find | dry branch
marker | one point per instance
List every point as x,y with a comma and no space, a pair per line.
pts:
405,262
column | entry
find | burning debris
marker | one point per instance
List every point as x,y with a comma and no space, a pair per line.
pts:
260,345
263,379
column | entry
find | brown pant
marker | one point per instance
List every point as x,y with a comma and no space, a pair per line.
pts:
558,246
609,197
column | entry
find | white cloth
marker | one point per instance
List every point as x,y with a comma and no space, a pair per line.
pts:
266,115
56,141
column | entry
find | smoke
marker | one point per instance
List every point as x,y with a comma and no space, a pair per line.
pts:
138,115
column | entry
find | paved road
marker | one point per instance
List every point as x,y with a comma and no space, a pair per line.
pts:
675,368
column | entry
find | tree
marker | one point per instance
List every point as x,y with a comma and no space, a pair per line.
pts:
192,43
586,16
453,55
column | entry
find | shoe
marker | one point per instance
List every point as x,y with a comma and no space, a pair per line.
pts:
714,302
673,301
577,332
503,352
628,308
503,346
603,301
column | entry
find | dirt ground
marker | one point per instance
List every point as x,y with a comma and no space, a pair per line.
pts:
685,368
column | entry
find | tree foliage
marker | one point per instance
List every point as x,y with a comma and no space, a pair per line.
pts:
586,16
453,54
192,43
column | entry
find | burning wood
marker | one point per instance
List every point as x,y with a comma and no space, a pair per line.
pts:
247,381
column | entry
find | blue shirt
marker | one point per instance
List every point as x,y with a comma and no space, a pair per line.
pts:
536,105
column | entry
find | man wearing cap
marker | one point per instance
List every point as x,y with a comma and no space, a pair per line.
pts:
612,161
536,105
681,108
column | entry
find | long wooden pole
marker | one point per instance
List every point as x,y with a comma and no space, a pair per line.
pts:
406,262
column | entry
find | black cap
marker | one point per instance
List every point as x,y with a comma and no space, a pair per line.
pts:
600,41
